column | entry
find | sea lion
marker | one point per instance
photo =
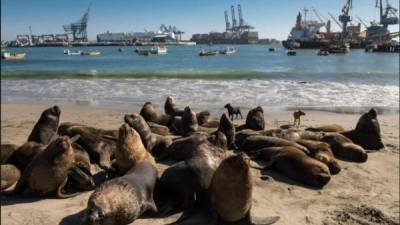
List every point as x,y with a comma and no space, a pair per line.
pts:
327,128
211,124
175,125
256,142
46,127
154,143
344,148
178,186
203,117
80,179
241,136
171,108
149,114
231,191
122,200
48,172
158,129
295,164
93,140
189,122
130,150
367,132
218,139
255,119
26,152
227,127
10,175
8,153
322,152
182,148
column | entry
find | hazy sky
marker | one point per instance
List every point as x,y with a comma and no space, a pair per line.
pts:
271,18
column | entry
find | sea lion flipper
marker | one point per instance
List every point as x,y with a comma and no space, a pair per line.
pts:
109,137
150,206
264,220
60,193
75,138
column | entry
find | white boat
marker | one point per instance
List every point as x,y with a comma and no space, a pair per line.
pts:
228,51
159,50
13,56
69,52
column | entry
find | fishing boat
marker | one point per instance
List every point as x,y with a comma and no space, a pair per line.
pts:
207,53
323,52
159,50
13,56
69,52
92,53
291,52
228,51
271,49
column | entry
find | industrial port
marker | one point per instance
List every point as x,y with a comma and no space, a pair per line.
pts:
306,33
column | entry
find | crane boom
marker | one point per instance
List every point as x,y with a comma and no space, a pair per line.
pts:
361,21
334,19
317,14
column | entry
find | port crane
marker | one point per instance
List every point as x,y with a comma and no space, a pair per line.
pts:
335,20
345,18
227,23
327,23
389,17
361,21
233,18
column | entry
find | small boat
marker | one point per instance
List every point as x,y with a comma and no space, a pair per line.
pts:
69,52
92,53
339,49
228,51
13,56
142,52
120,50
271,49
159,50
207,53
323,52
291,52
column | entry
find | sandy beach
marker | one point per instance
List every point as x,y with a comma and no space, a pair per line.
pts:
362,193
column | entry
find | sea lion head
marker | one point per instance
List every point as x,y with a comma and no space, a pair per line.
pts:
259,109
61,147
127,133
132,118
320,174
203,117
148,112
98,210
368,123
356,152
52,114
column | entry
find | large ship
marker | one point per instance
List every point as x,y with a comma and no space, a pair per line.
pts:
306,34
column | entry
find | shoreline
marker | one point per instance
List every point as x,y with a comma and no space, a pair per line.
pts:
362,187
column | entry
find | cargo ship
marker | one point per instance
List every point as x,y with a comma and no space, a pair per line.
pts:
306,34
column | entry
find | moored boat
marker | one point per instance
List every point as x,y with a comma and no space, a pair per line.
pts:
142,52
120,50
207,53
291,52
69,52
13,56
323,52
92,53
228,51
339,48
271,49
159,50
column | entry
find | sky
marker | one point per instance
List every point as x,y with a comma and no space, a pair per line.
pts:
271,18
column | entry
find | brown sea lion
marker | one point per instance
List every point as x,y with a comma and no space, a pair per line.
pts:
295,164
327,128
322,152
8,153
367,132
48,172
211,124
189,122
122,200
10,175
254,120
149,114
218,139
231,191
227,127
241,136
46,127
154,143
182,148
344,148
171,108
203,117
159,129
256,142
93,141
130,150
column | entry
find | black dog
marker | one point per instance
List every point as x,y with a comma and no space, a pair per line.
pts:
233,111
296,116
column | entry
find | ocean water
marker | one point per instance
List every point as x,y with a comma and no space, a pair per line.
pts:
253,76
